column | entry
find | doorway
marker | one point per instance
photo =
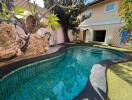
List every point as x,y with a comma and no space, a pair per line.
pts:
84,35
99,35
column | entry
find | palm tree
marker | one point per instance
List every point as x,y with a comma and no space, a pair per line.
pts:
51,21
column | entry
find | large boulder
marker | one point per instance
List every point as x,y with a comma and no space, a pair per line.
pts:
11,40
42,32
38,43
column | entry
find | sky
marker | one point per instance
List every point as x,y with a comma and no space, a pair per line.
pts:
86,1
41,3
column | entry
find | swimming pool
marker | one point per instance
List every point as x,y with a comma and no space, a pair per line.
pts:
62,77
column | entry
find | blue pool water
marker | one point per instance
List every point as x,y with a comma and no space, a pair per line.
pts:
59,78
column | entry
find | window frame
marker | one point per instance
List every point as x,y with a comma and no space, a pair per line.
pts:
88,11
115,6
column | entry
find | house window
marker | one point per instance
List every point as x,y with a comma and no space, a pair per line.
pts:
110,7
88,14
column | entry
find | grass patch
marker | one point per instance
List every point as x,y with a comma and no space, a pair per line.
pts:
119,77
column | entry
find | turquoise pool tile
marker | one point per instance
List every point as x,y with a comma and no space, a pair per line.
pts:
60,78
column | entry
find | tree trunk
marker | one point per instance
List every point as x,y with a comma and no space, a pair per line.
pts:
66,38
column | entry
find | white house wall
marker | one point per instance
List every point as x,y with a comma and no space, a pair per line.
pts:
112,32
59,35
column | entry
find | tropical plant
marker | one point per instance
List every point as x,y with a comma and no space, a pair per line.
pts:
8,3
51,21
126,13
8,10
5,8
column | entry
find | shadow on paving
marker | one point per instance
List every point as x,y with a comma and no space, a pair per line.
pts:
89,93
123,71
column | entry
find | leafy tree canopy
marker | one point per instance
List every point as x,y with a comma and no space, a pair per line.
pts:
126,13
67,11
